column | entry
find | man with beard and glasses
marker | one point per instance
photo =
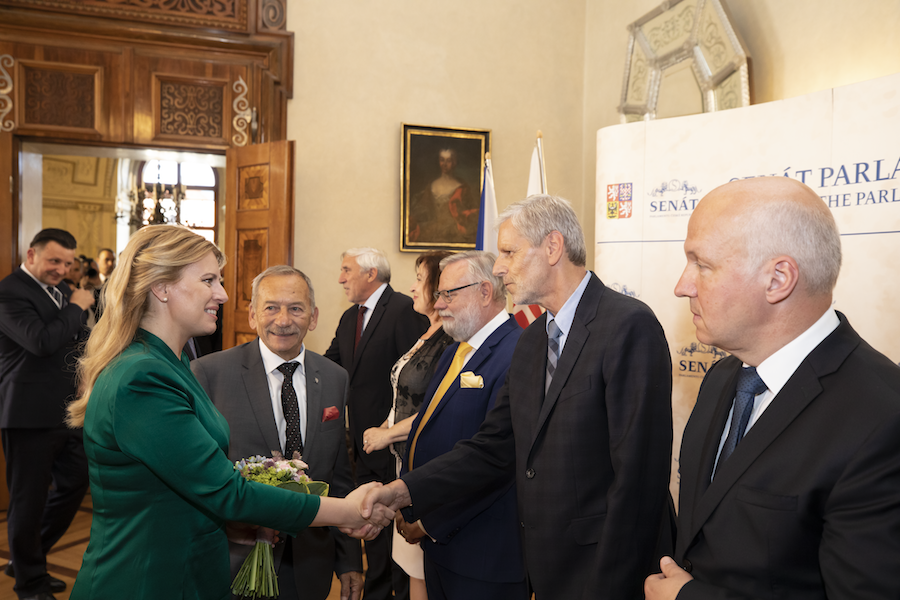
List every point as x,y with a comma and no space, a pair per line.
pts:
305,414
472,548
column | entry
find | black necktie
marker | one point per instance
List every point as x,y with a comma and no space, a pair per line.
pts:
749,384
293,442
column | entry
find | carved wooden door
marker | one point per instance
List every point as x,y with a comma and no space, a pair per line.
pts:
258,226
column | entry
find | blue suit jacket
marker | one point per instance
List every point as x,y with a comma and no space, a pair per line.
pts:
478,539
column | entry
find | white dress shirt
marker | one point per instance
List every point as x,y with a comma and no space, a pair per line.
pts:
371,302
566,314
777,369
271,362
42,284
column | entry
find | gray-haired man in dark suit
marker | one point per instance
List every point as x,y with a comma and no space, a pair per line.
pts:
265,413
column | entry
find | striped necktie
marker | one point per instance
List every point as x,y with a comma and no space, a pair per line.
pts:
553,335
56,295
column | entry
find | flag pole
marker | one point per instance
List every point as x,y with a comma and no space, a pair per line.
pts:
540,146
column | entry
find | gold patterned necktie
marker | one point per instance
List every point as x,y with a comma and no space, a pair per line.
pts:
455,368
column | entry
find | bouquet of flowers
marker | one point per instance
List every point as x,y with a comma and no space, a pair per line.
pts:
257,578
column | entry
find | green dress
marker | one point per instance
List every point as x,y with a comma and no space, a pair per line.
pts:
162,485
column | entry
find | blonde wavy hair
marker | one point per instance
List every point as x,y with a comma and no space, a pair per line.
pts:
155,254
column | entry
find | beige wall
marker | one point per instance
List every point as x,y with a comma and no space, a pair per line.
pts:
514,66
362,68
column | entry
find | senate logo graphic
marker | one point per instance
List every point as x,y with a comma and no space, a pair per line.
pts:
623,289
698,358
618,201
674,198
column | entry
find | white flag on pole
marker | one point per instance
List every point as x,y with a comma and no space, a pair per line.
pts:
537,184
487,217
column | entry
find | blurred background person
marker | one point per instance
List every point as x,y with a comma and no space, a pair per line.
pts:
73,277
42,324
106,262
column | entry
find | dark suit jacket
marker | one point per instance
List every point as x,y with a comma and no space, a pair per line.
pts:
236,382
38,349
590,461
478,539
808,505
392,330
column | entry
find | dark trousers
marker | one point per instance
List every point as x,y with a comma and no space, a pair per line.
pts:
38,514
443,584
382,573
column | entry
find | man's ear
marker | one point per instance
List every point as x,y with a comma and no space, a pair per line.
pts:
783,276
556,247
314,319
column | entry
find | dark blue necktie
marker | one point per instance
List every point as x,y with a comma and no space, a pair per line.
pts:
749,384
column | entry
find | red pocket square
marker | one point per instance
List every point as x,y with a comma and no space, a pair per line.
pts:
330,414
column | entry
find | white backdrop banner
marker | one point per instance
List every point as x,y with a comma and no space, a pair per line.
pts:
843,142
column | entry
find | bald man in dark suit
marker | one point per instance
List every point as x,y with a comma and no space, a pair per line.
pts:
790,462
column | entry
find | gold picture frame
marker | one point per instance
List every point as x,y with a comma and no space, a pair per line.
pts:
441,176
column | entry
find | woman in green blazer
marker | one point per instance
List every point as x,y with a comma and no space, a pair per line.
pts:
163,488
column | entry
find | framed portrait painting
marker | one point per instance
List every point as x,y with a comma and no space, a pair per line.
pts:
440,181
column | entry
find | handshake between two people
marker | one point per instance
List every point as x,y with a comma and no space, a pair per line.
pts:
376,505
362,514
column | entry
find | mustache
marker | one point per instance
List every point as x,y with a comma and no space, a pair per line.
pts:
284,330
445,313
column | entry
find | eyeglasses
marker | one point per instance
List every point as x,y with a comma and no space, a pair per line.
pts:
445,294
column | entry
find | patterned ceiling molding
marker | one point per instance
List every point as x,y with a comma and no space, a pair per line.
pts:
241,108
272,15
6,88
230,15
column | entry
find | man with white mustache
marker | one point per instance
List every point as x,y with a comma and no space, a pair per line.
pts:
268,411
472,547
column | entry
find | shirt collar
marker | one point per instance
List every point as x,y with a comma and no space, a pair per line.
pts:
272,361
485,332
38,281
372,301
780,366
566,314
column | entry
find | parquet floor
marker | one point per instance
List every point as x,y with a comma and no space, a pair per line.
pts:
64,559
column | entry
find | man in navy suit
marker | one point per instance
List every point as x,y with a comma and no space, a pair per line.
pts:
472,548
42,322
372,334
790,462
583,424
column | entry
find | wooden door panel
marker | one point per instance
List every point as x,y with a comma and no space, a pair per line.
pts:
258,226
